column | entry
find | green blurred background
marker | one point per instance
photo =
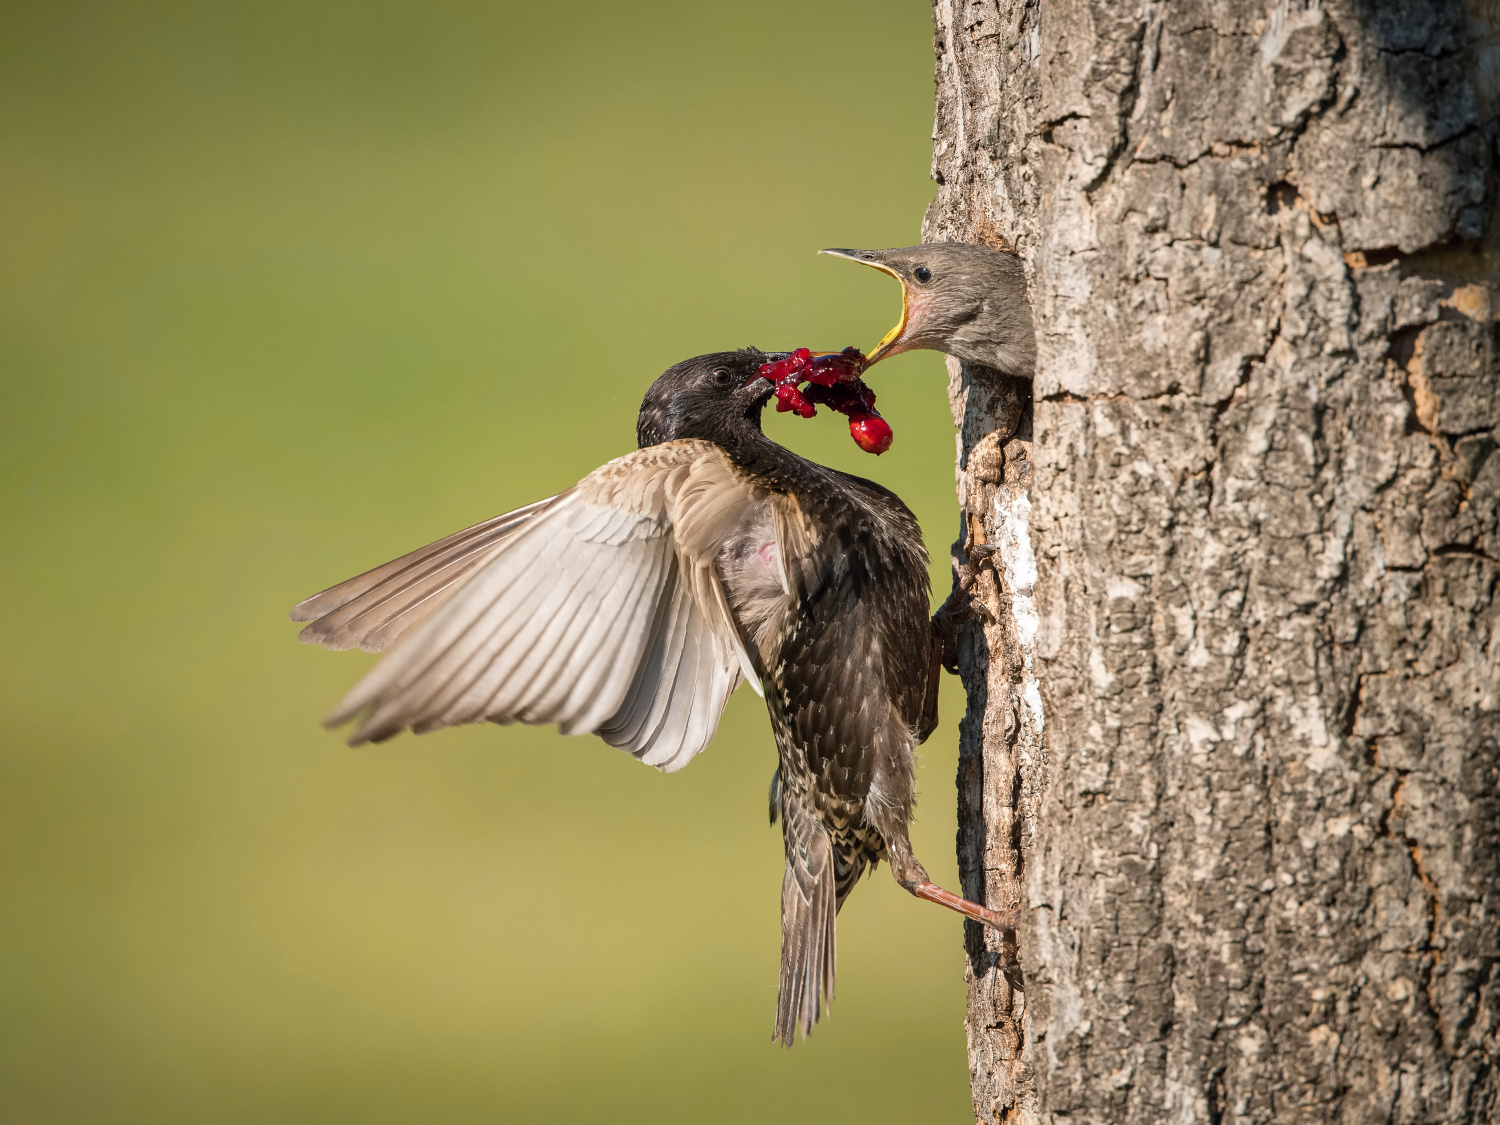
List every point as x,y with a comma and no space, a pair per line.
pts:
286,291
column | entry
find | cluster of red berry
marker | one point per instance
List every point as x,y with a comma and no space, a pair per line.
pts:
832,380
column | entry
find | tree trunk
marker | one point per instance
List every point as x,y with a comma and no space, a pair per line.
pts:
1234,705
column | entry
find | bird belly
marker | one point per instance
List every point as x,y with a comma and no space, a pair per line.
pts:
841,813
841,789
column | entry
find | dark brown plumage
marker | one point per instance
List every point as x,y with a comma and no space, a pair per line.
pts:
632,604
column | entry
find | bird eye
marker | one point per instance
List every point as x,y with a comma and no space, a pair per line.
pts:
722,376
922,274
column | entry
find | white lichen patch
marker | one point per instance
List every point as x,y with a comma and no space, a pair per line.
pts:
1018,568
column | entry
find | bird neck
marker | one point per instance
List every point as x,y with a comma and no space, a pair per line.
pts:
741,438
769,462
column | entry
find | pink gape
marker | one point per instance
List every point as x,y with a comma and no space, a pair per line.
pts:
833,380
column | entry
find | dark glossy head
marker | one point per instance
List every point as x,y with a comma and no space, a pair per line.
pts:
968,301
716,397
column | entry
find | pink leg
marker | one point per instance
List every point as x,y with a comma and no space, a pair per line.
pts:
913,876
1000,919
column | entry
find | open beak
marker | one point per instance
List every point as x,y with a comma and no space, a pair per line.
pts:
756,390
888,342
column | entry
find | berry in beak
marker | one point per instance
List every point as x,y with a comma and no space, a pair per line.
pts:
832,380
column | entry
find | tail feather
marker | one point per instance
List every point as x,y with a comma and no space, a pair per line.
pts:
809,902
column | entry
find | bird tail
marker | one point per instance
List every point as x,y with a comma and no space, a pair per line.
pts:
809,902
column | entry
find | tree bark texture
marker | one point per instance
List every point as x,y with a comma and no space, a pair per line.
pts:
1234,692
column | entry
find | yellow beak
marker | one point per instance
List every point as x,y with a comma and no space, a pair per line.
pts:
888,343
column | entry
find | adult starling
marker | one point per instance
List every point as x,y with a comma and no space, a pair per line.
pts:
633,603
968,301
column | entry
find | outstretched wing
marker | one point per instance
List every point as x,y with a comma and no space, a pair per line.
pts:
375,609
600,610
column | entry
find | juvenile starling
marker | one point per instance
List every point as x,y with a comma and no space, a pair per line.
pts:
968,301
633,603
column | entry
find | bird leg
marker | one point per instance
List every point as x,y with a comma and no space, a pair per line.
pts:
910,873
1000,919
960,606
946,622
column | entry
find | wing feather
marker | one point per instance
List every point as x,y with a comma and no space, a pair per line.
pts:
639,719
520,619
601,663
599,609
701,687
532,655
375,609
434,648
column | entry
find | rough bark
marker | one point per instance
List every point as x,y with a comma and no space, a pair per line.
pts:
1250,557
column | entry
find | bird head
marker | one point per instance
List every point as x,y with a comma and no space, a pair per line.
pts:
710,396
968,301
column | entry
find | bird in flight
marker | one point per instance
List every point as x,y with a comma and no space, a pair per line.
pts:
632,604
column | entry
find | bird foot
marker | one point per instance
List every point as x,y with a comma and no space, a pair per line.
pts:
960,606
999,919
966,573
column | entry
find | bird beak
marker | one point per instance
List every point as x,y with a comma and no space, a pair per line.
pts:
888,342
770,357
756,390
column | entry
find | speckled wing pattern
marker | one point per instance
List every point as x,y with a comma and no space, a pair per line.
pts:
598,609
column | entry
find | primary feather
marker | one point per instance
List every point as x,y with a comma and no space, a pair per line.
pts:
599,609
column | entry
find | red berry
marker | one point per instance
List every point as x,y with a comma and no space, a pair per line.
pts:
817,372
788,397
839,367
870,432
783,368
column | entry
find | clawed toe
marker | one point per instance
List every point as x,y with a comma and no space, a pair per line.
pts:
960,606
966,573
